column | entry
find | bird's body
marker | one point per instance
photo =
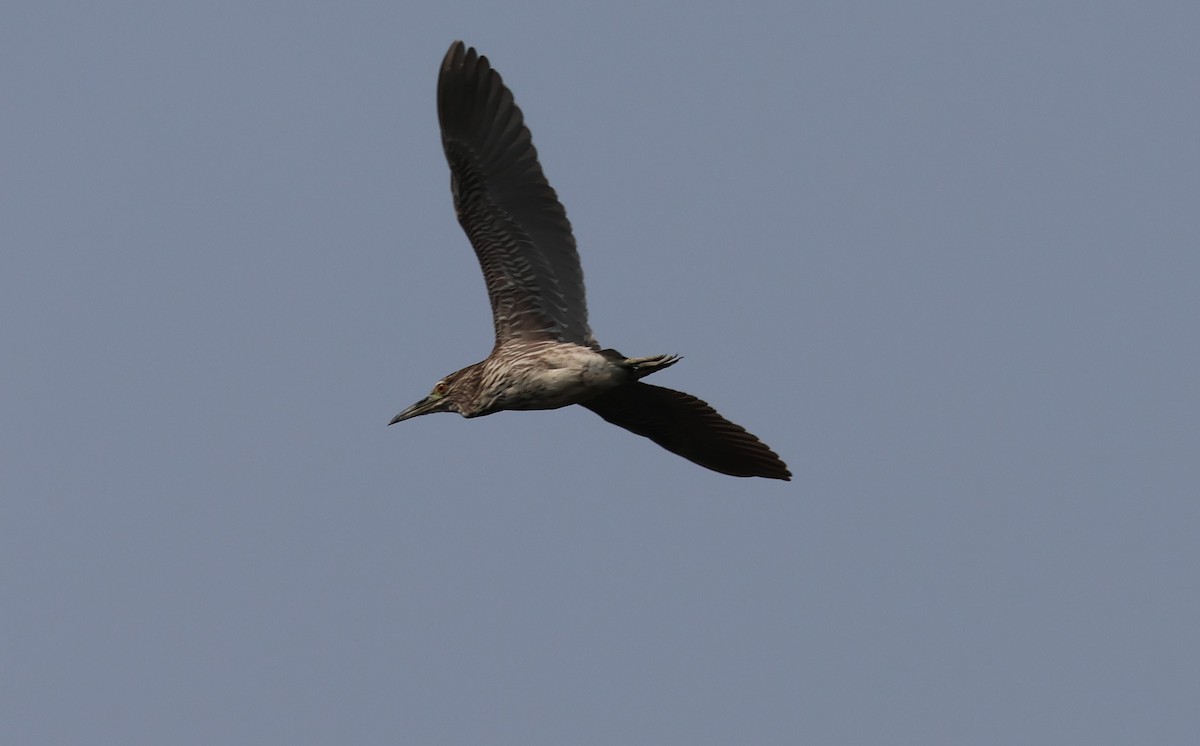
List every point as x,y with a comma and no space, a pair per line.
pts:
541,375
545,356
546,375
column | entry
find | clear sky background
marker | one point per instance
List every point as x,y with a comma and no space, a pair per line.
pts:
943,257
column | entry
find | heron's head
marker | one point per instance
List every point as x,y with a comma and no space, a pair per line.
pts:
447,395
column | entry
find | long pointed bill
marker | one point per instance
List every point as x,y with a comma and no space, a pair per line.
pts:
427,405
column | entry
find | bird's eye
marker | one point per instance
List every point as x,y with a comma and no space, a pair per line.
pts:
440,389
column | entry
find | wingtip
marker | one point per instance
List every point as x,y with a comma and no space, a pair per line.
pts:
460,55
775,469
456,56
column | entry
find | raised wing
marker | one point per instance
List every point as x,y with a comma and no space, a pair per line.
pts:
684,425
509,211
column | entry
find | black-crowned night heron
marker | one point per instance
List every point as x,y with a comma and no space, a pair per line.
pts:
545,356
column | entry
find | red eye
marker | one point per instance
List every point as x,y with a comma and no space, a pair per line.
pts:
440,388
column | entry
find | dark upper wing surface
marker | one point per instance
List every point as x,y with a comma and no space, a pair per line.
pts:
685,425
509,211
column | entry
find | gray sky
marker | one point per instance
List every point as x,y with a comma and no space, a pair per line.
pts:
942,257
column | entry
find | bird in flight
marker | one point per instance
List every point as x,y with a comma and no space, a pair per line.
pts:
545,356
